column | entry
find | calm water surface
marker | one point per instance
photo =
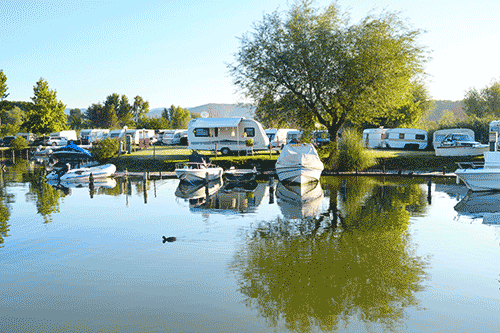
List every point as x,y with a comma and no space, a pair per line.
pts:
354,254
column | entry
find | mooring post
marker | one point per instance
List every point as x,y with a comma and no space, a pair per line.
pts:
271,189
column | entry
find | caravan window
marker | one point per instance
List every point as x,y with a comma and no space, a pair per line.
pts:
250,132
401,136
420,137
201,132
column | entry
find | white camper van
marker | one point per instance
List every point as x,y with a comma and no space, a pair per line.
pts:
277,136
226,134
374,137
439,135
405,138
88,136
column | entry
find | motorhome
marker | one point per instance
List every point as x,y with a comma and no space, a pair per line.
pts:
88,136
439,135
226,135
405,138
293,136
172,137
277,136
61,138
138,134
374,137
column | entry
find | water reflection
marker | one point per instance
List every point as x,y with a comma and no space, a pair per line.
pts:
482,205
299,201
354,259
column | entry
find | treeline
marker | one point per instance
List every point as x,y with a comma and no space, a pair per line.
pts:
45,113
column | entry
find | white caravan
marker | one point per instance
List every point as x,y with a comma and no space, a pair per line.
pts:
172,137
116,134
374,137
405,138
138,134
277,136
88,136
293,136
439,135
226,134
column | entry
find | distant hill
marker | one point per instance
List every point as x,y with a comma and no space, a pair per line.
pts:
442,105
214,110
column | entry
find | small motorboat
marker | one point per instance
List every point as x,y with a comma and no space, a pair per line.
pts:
198,170
460,144
71,152
82,174
240,175
299,163
481,178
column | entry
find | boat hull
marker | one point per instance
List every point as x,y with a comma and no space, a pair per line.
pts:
198,175
83,174
480,179
461,151
298,174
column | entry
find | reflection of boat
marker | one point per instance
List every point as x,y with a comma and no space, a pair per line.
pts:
240,175
198,170
299,163
82,174
299,201
486,178
478,203
231,199
460,144
102,182
187,190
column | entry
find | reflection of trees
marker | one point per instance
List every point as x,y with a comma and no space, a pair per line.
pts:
44,195
354,260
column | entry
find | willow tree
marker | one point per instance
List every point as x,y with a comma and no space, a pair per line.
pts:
335,71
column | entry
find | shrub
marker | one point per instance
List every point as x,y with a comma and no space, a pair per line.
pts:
249,142
19,143
105,149
351,154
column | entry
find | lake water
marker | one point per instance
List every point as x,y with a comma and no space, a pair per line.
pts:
353,254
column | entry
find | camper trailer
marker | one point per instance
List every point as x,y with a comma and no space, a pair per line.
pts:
138,134
293,136
172,137
30,137
88,136
439,135
277,136
374,137
116,134
405,138
226,135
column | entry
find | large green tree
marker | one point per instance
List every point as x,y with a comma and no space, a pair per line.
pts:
140,107
335,71
179,117
485,102
47,114
76,119
3,85
12,120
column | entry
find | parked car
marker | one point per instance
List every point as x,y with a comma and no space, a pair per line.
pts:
41,141
7,140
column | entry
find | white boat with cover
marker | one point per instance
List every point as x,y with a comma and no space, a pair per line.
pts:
460,144
82,174
299,163
485,178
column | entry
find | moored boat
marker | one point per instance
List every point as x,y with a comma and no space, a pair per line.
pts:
485,178
82,174
299,163
240,175
198,170
460,144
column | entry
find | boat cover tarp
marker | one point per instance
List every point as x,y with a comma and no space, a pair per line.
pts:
303,154
197,158
73,147
218,122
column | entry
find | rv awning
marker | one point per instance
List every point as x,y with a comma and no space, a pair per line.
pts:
217,122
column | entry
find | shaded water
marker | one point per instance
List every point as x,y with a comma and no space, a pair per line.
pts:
351,254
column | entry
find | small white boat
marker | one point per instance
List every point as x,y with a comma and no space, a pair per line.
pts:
299,163
485,178
460,144
240,175
82,174
194,172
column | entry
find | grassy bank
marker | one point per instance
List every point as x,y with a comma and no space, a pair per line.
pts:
165,158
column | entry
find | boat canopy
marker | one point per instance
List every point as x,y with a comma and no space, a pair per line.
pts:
218,122
302,154
73,147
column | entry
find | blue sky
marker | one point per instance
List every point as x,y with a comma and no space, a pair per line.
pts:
176,51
